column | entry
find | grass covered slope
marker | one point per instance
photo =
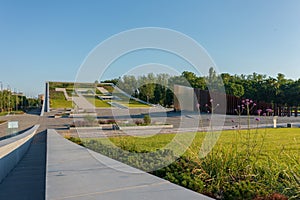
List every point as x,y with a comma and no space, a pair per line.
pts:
97,102
58,100
248,164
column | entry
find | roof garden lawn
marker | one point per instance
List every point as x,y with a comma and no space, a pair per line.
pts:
53,85
109,88
98,92
71,92
58,100
97,102
133,104
242,165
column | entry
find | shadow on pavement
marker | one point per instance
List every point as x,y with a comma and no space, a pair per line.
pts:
27,179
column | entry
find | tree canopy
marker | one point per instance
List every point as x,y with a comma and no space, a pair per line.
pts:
158,88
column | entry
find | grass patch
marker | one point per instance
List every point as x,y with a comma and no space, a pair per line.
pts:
19,112
58,100
133,104
97,102
53,85
71,92
3,113
109,88
98,92
242,165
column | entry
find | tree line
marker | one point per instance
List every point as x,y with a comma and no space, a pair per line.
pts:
10,101
158,89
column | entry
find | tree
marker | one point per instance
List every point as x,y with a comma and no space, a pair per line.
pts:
214,82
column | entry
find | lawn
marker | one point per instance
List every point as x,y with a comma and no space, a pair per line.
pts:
71,92
58,100
97,102
133,104
109,88
104,103
242,165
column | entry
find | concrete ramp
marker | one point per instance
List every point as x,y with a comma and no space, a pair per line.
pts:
82,103
27,179
76,173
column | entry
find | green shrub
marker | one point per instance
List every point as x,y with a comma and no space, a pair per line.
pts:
147,119
76,140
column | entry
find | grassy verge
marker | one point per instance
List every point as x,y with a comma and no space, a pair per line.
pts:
19,112
249,164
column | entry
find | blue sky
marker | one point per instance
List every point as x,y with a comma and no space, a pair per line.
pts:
49,40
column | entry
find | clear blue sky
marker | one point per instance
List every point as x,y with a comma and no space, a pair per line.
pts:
48,40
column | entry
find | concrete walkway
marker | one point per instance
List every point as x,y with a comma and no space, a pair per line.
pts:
76,173
83,103
27,179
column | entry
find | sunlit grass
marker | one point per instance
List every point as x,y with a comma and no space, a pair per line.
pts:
58,100
97,102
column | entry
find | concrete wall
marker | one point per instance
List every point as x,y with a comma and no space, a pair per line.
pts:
47,105
13,149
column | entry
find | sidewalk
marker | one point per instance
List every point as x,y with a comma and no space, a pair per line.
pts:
27,179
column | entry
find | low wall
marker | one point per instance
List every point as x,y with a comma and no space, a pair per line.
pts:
13,149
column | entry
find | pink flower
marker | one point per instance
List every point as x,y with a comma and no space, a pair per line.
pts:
257,119
211,100
259,111
269,110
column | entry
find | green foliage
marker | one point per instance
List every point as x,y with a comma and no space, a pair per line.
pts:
144,160
157,89
147,119
12,103
75,140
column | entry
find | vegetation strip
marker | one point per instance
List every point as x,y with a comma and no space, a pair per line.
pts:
239,167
